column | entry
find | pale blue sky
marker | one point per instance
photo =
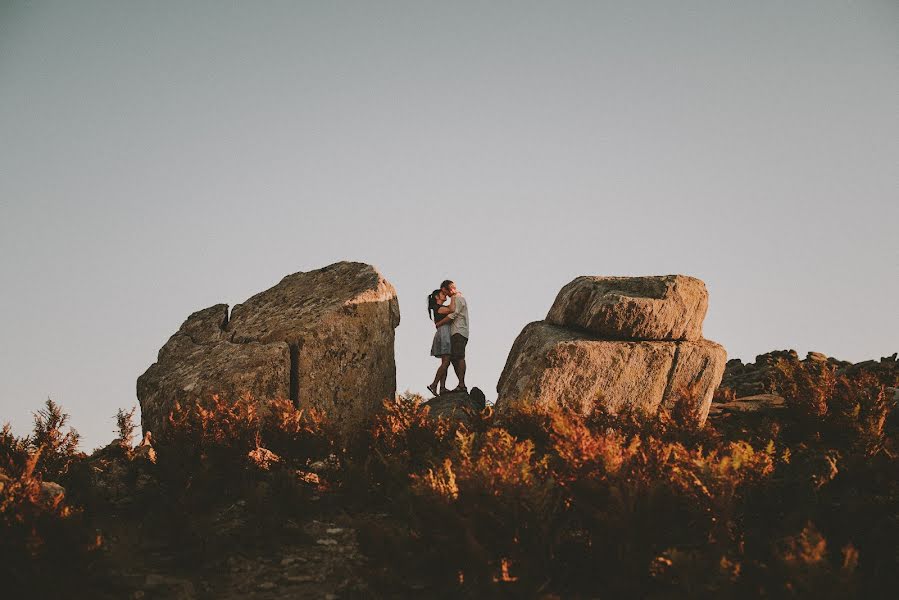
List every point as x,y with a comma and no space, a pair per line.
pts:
160,157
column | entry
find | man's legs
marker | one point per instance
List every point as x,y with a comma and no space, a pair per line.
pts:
457,354
459,368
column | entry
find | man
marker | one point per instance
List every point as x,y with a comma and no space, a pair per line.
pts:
458,331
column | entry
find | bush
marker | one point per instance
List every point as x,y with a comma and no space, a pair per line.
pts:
45,544
56,448
532,502
125,427
632,505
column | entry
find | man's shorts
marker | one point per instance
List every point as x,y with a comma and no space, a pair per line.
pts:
457,346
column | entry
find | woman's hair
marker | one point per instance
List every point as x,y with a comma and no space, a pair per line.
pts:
433,305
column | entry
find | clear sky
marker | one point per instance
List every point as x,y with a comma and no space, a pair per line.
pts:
160,157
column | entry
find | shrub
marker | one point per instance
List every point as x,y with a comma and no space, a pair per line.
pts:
56,448
45,544
125,427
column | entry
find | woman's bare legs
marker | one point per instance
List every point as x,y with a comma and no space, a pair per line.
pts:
440,376
443,370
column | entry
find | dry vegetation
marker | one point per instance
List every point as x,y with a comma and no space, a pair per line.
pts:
527,505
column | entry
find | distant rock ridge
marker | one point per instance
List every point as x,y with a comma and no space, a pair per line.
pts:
622,341
322,338
759,377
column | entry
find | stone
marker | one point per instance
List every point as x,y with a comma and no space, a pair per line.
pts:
51,492
669,307
698,368
322,339
145,451
456,406
761,403
187,371
748,417
551,366
478,398
764,375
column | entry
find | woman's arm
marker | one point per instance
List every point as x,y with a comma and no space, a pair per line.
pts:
446,310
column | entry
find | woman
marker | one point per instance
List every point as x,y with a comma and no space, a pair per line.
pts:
440,347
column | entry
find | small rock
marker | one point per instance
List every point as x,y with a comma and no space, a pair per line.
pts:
334,530
50,491
327,542
145,450
267,585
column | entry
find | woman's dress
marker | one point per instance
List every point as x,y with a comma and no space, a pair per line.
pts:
441,344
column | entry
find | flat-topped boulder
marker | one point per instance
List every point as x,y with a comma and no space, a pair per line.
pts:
666,307
551,366
323,339
315,304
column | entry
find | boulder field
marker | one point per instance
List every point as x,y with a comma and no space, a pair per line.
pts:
325,339
617,341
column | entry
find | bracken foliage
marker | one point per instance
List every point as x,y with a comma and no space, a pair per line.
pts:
45,543
533,502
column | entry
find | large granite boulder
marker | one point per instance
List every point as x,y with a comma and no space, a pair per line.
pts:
322,338
551,365
669,307
618,341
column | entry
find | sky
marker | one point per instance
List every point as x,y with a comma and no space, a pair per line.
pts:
157,158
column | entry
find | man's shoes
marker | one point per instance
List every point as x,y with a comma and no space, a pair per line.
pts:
461,388
433,389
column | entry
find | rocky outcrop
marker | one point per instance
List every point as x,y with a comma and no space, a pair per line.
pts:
619,341
457,406
671,307
321,338
761,377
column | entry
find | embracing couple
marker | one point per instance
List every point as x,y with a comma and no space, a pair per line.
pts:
452,334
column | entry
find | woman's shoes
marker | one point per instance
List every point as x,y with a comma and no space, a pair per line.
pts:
433,389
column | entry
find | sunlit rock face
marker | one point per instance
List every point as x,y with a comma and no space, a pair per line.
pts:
669,307
323,339
617,341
